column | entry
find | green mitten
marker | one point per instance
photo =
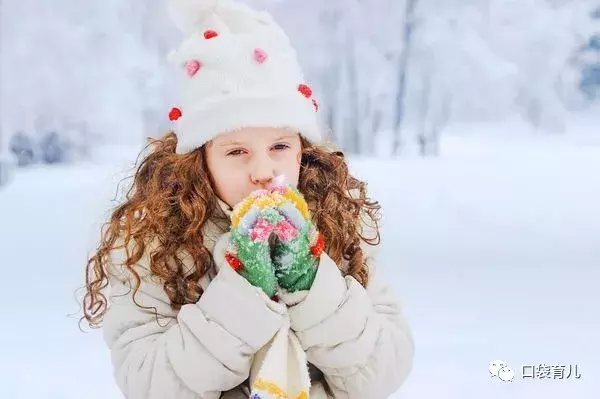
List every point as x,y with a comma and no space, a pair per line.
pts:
298,245
249,250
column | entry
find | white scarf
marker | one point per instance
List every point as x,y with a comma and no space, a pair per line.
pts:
280,368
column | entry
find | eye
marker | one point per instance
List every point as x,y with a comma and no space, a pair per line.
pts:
235,153
281,147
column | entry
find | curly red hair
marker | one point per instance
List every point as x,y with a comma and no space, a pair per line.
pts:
172,198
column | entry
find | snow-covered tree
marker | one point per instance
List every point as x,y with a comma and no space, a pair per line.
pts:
589,57
22,148
385,72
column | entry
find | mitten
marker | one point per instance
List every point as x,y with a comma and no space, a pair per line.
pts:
298,244
249,250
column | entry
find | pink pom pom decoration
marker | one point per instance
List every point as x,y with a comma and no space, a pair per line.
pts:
191,67
260,55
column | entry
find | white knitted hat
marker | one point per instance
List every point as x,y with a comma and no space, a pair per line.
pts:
238,70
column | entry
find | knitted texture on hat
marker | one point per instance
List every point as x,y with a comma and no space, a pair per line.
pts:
237,69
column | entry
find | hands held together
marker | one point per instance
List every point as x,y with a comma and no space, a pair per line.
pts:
273,242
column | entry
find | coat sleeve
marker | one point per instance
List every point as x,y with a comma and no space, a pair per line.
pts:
357,337
200,351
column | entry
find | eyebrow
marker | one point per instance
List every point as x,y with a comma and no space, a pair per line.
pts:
225,144
287,136
228,143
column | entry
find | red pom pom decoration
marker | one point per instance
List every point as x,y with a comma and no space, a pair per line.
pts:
233,262
175,114
317,249
315,104
305,90
209,34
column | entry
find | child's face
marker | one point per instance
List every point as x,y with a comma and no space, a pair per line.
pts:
248,159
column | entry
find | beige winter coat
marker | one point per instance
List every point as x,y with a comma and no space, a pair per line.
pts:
357,341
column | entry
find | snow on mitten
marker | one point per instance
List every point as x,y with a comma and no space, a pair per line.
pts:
249,253
298,245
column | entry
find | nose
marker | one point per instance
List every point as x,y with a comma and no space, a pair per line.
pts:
263,173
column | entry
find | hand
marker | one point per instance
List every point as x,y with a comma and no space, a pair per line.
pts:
249,250
298,244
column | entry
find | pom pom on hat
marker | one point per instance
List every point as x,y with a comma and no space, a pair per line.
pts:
305,90
188,15
174,114
209,34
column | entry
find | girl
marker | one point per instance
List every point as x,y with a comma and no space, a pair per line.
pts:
243,261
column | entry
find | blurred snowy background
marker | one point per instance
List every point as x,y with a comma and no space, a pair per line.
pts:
475,122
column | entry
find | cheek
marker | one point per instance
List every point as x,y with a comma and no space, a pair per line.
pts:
224,181
229,179
230,186
292,167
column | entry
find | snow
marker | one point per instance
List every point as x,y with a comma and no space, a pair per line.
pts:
463,51
492,249
497,258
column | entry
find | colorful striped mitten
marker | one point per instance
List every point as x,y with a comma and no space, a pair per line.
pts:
298,245
249,252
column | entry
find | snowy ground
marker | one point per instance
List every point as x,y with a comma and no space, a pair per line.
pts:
493,248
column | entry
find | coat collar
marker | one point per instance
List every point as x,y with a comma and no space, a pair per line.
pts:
224,207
